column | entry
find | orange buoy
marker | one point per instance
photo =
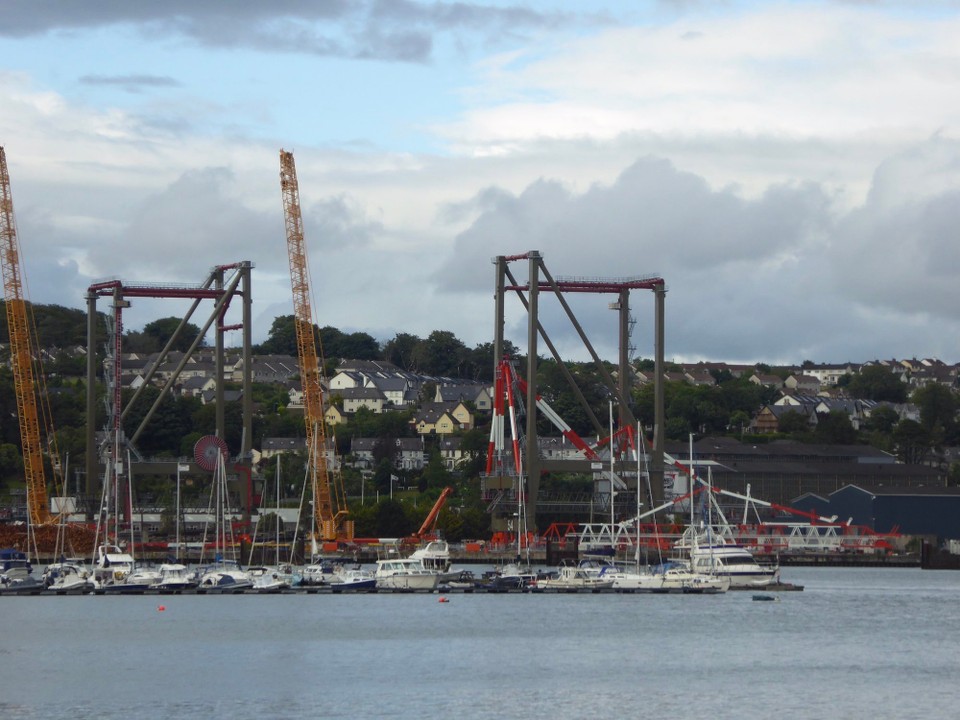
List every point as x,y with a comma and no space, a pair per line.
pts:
443,599
161,608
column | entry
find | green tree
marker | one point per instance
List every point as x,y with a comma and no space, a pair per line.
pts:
877,382
392,520
435,475
793,421
912,441
282,338
938,406
442,353
400,350
835,428
883,419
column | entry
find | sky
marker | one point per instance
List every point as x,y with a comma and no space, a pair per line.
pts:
790,169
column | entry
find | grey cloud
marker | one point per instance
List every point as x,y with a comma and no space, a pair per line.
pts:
781,277
396,30
338,224
182,231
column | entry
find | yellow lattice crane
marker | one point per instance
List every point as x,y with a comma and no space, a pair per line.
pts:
330,506
24,359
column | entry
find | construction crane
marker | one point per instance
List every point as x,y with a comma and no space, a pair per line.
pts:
27,376
429,526
329,505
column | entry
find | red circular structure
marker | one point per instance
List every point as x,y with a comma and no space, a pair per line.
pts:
206,449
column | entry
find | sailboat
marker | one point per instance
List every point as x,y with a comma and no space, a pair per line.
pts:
113,565
267,579
223,575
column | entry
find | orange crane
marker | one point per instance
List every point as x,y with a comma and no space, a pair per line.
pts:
329,505
25,362
429,525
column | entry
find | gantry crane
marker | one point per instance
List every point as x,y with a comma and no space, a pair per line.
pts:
25,362
330,506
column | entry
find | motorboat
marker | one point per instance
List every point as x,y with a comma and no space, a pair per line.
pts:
175,577
734,562
569,577
679,578
435,556
352,579
270,579
14,565
67,577
405,574
513,576
224,576
111,567
318,573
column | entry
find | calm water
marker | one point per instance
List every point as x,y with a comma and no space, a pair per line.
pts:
855,644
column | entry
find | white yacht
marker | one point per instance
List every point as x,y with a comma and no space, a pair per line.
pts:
405,574
111,566
67,577
569,577
435,556
224,576
175,576
734,562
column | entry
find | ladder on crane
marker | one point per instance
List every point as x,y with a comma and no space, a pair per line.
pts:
329,504
25,360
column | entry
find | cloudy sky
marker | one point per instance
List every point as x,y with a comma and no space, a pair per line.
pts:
791,169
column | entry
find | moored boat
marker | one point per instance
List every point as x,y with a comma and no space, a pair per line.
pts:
405,574
569,577
354,578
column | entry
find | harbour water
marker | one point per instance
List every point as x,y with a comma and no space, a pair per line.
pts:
856,643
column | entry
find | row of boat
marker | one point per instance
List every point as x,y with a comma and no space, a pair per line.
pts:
115,572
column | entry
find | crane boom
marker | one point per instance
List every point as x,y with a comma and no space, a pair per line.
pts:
21,357
329,511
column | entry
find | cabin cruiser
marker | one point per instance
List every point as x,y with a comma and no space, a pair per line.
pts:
569,577
353,578
405,574
174,577
513,576
318,573
112,567
224,576
435,556
271,579
14,565
67,577
679,578
734,562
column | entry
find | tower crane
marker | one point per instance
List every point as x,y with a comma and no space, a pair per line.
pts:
24,361
329,505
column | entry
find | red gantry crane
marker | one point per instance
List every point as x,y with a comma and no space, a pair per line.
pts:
330,506
25,362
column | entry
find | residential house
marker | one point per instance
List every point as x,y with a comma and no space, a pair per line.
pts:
830,374
767,380
361,397
479,394
806,384
276,446
450,452
767,420
334,415
699,377
442,418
